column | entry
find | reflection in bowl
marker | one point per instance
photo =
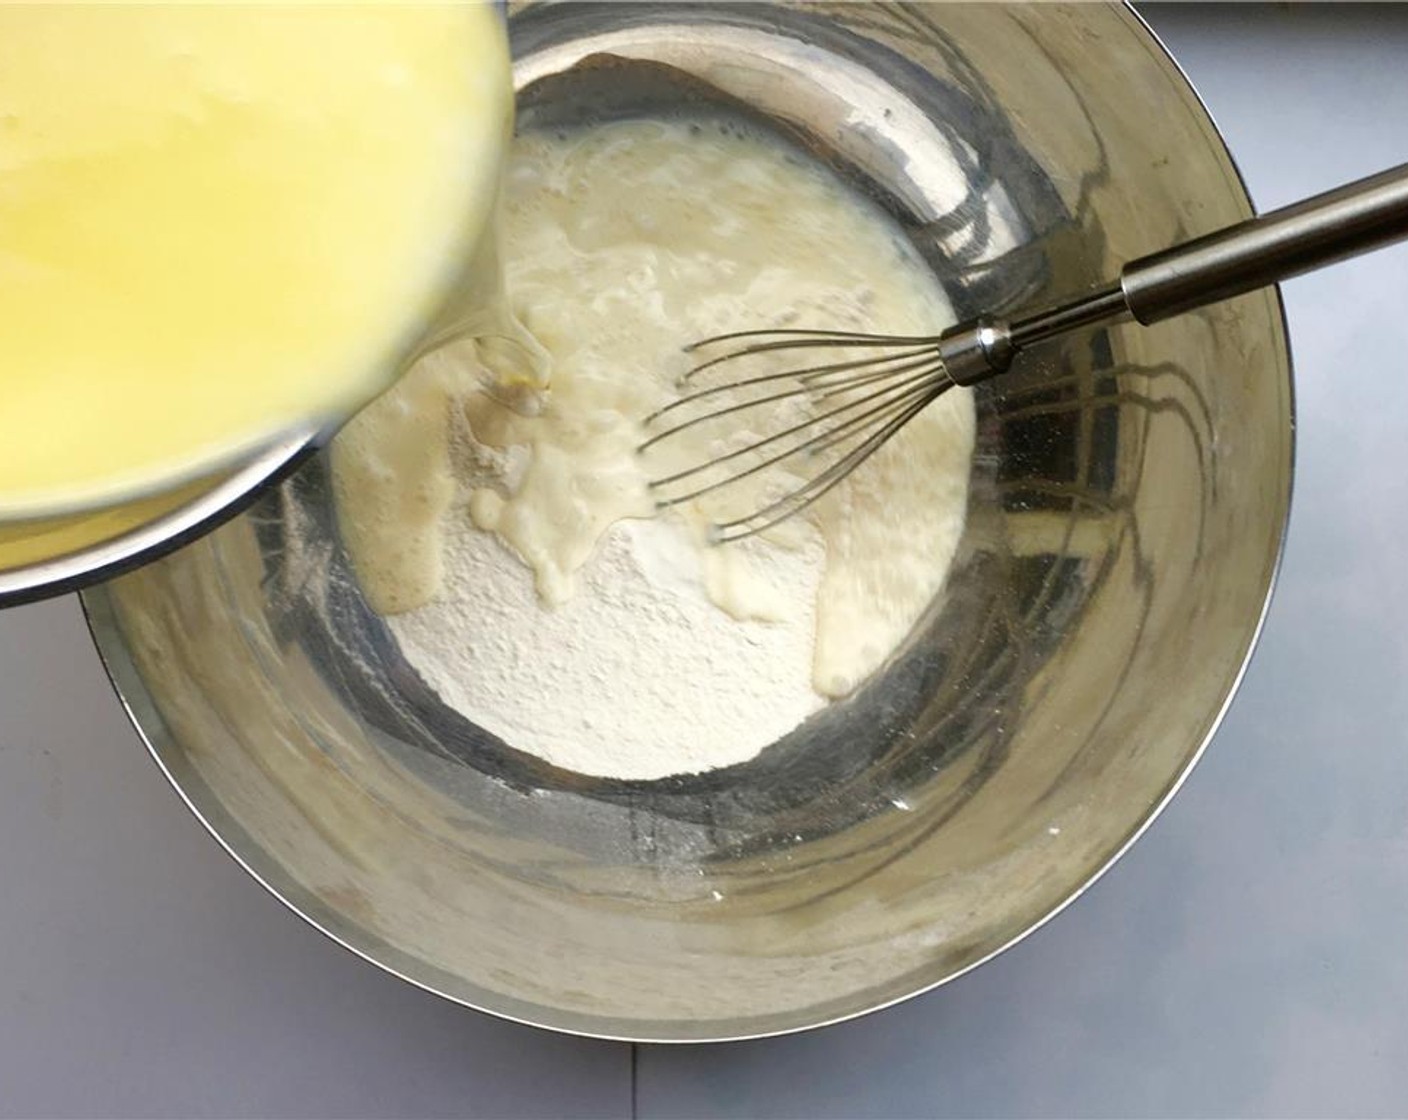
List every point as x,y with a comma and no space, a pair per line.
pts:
1127,502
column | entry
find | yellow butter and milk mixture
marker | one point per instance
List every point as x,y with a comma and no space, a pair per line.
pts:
218,221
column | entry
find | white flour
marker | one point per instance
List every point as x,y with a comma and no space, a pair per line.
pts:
638,675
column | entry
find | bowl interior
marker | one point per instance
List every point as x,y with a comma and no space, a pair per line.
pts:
1128,497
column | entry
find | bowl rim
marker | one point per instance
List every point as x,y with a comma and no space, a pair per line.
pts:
110,648
228,496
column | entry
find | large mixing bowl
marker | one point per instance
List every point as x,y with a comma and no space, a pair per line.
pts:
1129,493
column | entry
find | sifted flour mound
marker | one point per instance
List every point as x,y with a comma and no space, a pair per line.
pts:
638,675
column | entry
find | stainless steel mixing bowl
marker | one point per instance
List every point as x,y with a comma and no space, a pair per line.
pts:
1129,494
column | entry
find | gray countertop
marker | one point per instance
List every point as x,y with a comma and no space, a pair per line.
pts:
1247,957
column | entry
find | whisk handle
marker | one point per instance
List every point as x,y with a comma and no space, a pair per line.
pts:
1329,227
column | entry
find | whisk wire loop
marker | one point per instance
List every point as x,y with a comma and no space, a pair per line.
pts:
815,381
874,395
896,396
794,502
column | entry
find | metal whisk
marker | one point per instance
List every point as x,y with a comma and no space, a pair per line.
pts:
859,398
